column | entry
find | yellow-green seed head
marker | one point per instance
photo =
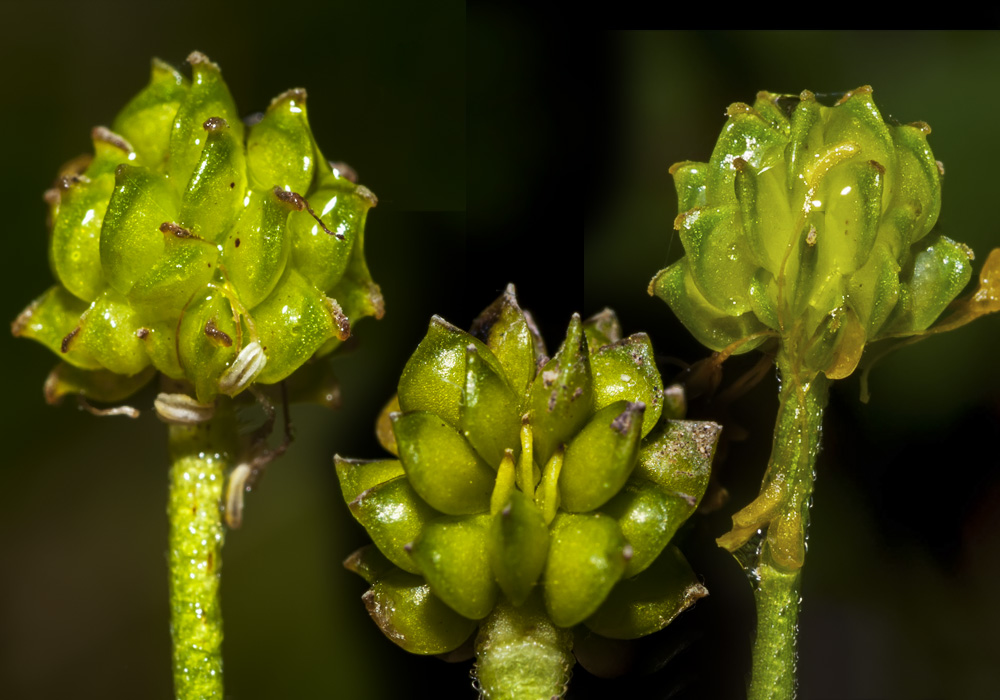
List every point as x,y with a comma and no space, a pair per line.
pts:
551,484
812,223
200,247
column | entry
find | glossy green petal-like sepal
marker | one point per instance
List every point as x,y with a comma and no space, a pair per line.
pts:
441,464
294,322
434,376
394,515
359,475
650,601
626,371
97,385
489,416
518,546
280,148
451,553
403,606
599,460
146,121
511,335
587,557
53,319
131,240
562,394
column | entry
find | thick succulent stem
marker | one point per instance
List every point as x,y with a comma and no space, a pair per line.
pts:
778,570
521,655
200,456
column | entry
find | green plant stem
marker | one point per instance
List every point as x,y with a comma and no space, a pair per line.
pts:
778,571
521,655
200,456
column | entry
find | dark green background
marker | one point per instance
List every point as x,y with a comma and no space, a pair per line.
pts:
483,133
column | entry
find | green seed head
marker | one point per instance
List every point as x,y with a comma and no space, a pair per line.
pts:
549,483
812,223
192,244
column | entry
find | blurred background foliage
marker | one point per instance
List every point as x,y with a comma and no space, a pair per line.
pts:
480,130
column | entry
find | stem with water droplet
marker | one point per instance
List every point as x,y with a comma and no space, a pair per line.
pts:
201,454
778,570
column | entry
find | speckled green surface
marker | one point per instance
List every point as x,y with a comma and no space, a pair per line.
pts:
201,456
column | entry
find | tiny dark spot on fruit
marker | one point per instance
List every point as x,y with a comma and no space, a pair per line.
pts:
237,242
232,185
142,333
210,264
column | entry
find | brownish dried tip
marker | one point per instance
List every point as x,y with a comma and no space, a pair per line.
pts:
367,195
18,325
219,337
293,95
197,58
344,170
923,127
878,166
175,229
215,124
807,96
738,108
340,319
106,135
68,340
